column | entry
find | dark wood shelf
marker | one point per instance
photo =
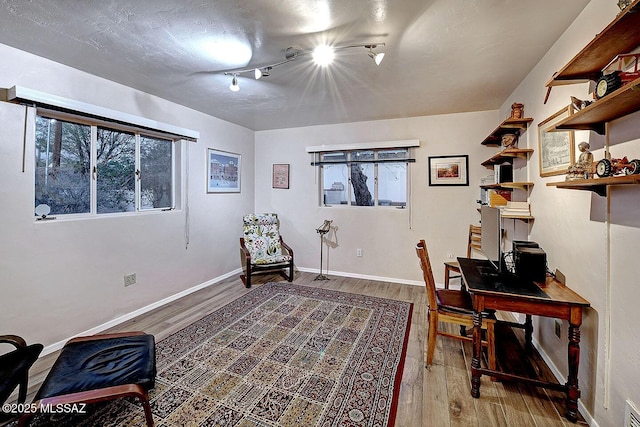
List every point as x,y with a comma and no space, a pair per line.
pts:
507,154
508,186
620,36
597,185
508,127
624,101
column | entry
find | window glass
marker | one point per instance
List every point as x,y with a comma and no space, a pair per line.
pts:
392,184
155,173
63,166
115,154
362,184
394,154
335,184
92,169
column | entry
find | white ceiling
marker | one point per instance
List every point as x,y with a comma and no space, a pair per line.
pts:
442,56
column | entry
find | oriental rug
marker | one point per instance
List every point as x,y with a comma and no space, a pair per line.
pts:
281,355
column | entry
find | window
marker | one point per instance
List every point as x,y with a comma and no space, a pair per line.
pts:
84,168
376,177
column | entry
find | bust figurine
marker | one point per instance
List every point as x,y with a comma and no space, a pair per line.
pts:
509,140
583,168
517,110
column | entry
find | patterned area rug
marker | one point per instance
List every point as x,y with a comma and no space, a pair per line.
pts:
281,355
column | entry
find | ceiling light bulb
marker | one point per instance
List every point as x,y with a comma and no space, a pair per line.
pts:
258,73
323,55
234,84
377,57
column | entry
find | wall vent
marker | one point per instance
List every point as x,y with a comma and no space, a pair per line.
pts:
631,415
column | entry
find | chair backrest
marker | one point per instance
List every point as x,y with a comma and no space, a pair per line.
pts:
475,240
262,235
427,274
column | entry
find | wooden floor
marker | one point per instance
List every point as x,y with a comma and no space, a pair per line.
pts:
438,396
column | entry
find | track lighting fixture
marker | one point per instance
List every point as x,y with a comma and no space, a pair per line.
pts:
322,55
377,57
234,83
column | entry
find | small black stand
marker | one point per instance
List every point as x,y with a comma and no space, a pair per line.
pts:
322,230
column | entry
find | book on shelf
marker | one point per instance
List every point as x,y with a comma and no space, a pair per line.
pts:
498,197
516,209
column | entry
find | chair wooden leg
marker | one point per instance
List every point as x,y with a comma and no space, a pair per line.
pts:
433,335
291,272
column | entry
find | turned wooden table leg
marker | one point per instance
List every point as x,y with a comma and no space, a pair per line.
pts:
573,391
477,348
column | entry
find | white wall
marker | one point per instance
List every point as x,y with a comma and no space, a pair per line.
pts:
60,278
387,236
590,238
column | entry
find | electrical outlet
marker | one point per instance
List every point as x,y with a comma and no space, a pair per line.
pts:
130,279
450,255
558,324
358,252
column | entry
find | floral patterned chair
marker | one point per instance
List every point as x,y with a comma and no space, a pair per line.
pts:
262,247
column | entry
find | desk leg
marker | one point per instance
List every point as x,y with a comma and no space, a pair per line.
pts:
528,332
573,391
477,354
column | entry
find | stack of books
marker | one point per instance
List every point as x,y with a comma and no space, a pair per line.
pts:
498,197
516,209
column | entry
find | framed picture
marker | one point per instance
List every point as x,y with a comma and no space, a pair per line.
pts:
280,177
555,148
449,170
223,171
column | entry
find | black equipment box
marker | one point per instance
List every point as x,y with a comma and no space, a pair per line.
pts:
530,261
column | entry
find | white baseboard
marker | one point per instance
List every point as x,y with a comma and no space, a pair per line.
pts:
121,319
364,276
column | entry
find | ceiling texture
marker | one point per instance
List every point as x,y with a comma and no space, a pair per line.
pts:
442,56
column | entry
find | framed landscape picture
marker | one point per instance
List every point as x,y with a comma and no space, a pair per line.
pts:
449,170
555,148
280,177
223,171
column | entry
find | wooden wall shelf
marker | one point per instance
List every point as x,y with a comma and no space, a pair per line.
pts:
620,36
509,186
508,127
507,154
624,101
597,185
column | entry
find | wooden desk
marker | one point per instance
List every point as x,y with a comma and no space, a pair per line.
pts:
556,300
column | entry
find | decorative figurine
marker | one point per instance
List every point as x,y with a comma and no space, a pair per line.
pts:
611,167
509,140
579,104
517,110
583,168
622,4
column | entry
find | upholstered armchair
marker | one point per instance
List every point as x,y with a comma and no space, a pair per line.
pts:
263,248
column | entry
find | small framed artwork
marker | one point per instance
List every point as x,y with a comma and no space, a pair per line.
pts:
449,170
223,171
280,177
555,148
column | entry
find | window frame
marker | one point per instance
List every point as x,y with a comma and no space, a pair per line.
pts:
319,160
94,124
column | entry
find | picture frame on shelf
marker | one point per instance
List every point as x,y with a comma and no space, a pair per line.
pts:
223,171
556,149
449,170
280,178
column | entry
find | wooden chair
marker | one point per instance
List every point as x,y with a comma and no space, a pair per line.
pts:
474,244
452,306
262,247
14,370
